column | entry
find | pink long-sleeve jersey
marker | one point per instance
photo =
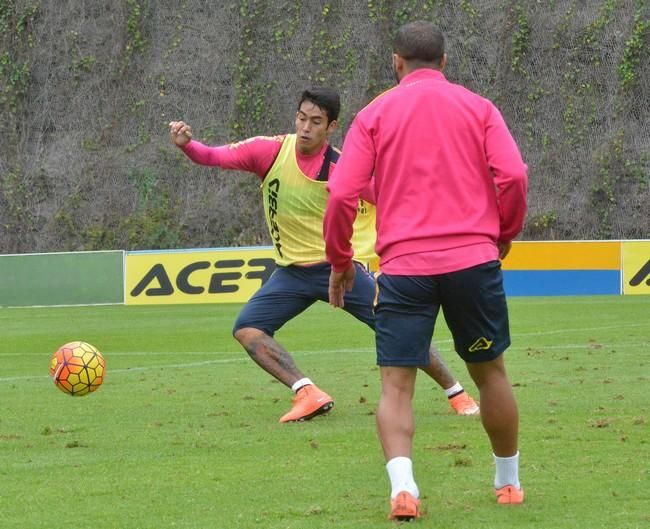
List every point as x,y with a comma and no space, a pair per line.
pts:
257,154
254,155
449,179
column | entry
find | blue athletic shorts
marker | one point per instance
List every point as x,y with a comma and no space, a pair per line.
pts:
473,304
292,289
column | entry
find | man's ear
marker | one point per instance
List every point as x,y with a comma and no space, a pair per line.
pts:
443,62
398,63
331,127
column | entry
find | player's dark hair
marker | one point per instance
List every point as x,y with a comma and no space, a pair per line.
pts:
324,98
419,41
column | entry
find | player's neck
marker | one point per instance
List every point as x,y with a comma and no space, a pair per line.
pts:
312,152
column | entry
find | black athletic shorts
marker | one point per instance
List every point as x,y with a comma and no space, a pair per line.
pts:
292,289
473,304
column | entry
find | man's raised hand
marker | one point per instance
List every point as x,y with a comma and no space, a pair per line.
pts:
180,132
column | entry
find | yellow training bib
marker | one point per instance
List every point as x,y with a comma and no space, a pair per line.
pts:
294,206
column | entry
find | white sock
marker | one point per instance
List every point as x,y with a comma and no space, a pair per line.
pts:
507,471
400,472
454,390
300,383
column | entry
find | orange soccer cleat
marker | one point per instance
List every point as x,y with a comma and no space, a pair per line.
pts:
463,404
509,495
308,402
404,508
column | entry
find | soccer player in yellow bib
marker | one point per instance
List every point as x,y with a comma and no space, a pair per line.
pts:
294,169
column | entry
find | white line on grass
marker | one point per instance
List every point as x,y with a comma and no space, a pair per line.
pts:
514,336
203,353
583,329
241,358
244,359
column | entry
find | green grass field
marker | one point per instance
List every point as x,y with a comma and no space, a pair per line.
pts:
184,431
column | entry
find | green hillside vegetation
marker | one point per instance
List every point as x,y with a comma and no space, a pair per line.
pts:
87,89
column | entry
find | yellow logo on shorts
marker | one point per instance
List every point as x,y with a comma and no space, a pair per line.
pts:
482,344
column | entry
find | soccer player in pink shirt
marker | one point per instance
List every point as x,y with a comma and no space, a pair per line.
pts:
293,170
450,188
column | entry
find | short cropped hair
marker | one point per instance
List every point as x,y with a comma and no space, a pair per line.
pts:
324,98
419,41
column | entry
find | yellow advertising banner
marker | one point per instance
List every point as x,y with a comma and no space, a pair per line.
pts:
564,255
196,276
636,267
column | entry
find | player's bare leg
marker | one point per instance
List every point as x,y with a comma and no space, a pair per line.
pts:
438,370
499,413
500,419
459,399
396,428
395,423
267,353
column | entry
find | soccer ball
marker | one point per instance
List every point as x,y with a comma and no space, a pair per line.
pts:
77,368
